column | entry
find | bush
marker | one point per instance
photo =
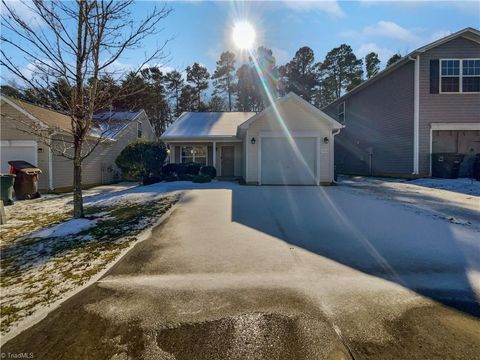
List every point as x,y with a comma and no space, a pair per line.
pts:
169,169
170,178
185,177
192,168
201,179
141,160
151,180
209,171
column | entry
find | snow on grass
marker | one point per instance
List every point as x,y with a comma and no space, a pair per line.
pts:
39,268
69,227
463,185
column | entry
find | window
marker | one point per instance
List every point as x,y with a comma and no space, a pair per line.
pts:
341,112
196,154
471,75
139,130
457,75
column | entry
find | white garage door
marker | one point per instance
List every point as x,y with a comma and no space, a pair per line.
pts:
17,150
284,163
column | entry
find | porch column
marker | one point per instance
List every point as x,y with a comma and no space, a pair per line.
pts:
214,157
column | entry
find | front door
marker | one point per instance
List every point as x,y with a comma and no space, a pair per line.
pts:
228,161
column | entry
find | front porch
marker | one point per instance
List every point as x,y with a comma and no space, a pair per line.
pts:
225,156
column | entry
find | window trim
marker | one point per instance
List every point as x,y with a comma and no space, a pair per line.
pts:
342,105
193,155
460,77
139,129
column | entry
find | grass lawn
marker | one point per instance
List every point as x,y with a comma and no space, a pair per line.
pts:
38,267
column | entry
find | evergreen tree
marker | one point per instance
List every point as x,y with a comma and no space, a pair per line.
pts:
342,70
299,74
245,88
216,103
198,76
187,99
224,76
372,64
174,83
393,59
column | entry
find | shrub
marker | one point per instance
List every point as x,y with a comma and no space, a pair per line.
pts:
185,177
170,178
151,180
192,168
201,179
169,169
141,160
208,170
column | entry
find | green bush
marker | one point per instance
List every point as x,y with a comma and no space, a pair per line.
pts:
185,177
142,160
208,170
201,179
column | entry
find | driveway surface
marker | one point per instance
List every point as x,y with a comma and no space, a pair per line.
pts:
278,273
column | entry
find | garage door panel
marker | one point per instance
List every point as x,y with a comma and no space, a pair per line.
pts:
16,152
284,162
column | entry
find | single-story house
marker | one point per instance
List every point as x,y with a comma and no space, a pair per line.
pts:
39,135
428,102
288,143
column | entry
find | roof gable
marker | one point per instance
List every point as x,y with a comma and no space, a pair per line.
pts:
468,33
332,123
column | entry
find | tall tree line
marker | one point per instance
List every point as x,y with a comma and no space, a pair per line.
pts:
250,86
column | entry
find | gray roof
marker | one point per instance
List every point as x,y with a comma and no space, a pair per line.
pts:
204,125
110,123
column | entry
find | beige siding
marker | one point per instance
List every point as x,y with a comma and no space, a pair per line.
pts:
99,167
13,128
444,108
296,119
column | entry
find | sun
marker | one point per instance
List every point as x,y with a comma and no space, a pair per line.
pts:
243,35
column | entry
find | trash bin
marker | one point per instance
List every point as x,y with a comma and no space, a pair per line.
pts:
446,165
26,181
6,188
476,168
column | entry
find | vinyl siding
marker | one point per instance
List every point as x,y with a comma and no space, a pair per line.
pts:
444,108
99,167
12,128
294,118
379,121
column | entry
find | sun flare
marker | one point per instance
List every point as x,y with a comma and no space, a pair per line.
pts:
243,35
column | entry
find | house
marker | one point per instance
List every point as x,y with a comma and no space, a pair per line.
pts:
39,136
428,102
290,142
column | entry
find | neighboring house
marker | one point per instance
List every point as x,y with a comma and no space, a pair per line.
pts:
427,102
27,130
290,142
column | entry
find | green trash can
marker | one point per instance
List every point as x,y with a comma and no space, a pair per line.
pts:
6,188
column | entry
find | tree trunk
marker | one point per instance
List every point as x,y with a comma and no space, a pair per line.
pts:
77,182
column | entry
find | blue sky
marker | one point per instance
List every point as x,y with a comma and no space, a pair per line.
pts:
201,30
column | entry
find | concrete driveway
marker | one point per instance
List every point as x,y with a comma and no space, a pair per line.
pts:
278,273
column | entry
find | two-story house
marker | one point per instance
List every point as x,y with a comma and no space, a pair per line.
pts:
427,102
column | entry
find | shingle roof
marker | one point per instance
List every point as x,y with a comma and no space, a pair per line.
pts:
192,125
49,117
106,124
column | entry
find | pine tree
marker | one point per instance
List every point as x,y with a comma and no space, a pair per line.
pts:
342,70
174,83
393,59
224,76
198,76
299,74
372,64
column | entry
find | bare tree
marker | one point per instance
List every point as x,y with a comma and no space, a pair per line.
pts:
76,45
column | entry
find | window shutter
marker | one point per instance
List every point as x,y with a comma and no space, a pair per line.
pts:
434,76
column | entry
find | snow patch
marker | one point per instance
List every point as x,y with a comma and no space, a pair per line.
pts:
69,227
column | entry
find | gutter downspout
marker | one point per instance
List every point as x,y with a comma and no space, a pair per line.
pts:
416,115
332,156
50,164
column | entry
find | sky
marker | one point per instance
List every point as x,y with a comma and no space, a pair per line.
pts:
200,30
